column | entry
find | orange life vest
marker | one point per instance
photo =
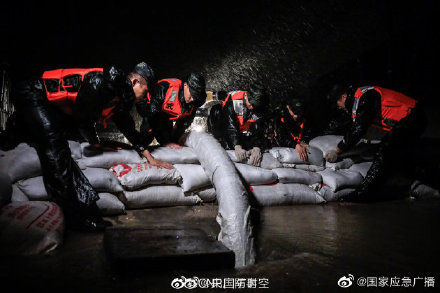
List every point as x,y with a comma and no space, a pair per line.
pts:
171,104
62,87
394,106
237,98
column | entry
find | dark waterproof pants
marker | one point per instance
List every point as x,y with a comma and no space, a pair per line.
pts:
396,153
43,126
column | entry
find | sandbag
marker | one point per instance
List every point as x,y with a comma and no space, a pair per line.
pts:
329,195
193,177
185,155
17,194
158,196
361,168
29,228
136,176
34,188
75,149
207,195
20,163
108,159
422,191
103,180
289,175
290,156
5,189
285,194
233,205
267,162
310,168
341,179
255,175
344,164
326,143
109,205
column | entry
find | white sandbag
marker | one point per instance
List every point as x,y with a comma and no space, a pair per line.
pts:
329,195
193,177
5,189
185,155
34,188
326,143
234,209
75,149
341,179
109,204
289,175
109,159
255,175
285,194
158,196
344,164
290,156
267,162
103,180
207,195
135,176
310,168
20,163
422,191
30,228
17,194
361,168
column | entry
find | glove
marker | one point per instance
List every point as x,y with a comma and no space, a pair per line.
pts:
255,159
240,153
331,156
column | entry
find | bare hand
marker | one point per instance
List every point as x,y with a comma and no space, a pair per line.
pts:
173,145
161,164
302,152
302,143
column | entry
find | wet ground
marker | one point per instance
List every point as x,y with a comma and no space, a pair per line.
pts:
300,248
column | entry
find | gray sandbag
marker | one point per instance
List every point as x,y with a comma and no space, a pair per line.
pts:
17,194
361,168
326,143
267,162
185,155
75,149
310,168
20,163
103,180
136,176
255,175
285,194
344,164
329,195
110,205
158,196
233,204
207,195
108,159
422,191
34,188
30,228
289,175
193,177
290,156
5,189
341,179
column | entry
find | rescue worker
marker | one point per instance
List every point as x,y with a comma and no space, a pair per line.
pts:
399,117
171,108
238,122
103,93
286,128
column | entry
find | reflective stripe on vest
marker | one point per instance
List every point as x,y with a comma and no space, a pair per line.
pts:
171,104
237,98
394,106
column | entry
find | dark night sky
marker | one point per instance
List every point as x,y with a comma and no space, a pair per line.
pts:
289,46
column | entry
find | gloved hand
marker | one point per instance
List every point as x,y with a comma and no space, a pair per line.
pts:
255,159
331,156
240,153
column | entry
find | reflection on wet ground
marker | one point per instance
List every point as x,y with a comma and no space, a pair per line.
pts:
301,248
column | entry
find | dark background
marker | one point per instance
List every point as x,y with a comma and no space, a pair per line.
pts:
294,48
